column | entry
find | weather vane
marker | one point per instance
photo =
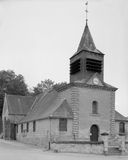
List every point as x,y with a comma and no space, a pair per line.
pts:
86,11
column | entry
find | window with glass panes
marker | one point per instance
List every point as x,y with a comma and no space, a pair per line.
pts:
62,124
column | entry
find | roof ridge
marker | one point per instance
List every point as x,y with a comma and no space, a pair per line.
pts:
15,95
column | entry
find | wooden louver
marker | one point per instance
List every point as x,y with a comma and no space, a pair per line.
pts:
93,65
75,67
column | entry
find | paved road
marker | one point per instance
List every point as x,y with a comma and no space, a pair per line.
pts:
17,151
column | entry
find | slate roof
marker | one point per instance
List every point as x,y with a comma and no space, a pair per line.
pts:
42,106
19,105
120,117
49,106
87,43
85,85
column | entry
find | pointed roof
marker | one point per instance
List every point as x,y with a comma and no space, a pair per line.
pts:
86,42
64,110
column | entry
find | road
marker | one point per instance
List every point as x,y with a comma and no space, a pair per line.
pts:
18,151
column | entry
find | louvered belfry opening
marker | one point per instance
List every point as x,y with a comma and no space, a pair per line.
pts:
93,65
87,61
75,67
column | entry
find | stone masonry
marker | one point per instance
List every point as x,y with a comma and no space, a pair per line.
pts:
75,109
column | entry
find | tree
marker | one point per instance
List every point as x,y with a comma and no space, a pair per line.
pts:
43,86
17,86
46,86
59,85
12,84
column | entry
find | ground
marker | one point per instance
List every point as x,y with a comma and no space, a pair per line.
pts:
16,151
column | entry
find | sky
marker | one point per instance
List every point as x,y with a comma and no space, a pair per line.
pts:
37,38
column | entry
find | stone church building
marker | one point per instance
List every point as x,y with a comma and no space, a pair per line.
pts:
81,111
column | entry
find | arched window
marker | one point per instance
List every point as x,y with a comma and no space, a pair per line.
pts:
94,107
121,127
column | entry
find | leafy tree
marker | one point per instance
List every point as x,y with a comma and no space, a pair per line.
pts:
17,86
59,85
43,86
12,84
46,86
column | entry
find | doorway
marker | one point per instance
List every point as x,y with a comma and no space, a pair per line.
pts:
94,130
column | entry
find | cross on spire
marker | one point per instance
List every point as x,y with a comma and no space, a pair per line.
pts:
86,12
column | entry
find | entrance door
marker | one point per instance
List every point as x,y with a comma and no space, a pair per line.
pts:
94,133
13,131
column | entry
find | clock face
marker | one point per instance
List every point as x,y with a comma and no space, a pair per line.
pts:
96,81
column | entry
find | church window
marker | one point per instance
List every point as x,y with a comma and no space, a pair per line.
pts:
27,127
75,67
94,107
34,126
93,65
21,128
121,127
62,124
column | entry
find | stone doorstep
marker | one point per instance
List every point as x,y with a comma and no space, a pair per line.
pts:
114,150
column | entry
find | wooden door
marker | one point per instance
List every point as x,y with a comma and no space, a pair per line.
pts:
94,133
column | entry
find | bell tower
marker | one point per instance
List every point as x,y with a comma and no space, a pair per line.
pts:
88,60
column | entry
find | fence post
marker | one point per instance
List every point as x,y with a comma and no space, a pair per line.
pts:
122,136
105,140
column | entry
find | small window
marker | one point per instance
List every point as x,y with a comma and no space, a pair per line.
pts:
17,128
21,128
27,127
121,127
34,126
94,107
62,124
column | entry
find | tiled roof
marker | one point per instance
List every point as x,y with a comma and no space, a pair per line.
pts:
19,105
120,117
49,105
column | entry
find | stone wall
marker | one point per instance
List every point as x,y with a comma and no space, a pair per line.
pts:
78,147
102,119
117,128
46,130
80,99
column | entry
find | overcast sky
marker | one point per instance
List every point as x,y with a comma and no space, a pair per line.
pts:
37,38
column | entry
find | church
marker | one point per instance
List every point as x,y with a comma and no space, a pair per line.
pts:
81,111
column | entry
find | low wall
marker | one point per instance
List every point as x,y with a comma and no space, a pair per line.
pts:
38,141
78,146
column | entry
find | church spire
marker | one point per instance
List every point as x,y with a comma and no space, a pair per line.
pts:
86,42
86,12
88,60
